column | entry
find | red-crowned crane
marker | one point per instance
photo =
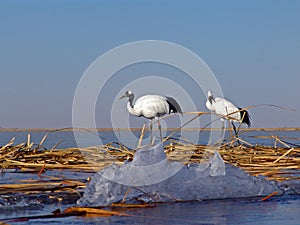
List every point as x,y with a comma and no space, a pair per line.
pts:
227,110
151,107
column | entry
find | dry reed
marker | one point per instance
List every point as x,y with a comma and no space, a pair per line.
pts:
273,162
279,162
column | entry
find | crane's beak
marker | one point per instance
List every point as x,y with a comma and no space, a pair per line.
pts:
122,97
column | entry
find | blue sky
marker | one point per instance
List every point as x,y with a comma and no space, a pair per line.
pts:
253,48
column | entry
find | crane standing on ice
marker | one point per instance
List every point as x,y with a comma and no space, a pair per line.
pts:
151,106
227,110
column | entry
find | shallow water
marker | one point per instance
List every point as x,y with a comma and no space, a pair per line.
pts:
277,210
284,210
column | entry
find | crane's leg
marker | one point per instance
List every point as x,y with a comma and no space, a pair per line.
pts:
236,133
150,127
223,130
234,128
159,127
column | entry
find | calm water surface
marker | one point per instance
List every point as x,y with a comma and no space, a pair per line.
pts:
277,211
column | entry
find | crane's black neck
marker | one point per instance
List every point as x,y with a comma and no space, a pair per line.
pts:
130,100
211,99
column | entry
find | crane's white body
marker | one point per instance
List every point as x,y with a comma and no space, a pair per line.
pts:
149,106
224,108
227,110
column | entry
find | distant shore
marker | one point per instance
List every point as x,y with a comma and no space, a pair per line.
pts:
69,129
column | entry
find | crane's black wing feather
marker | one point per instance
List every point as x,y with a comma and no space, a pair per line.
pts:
173,105
246,117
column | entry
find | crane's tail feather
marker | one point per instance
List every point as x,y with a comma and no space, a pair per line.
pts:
245,117
173,105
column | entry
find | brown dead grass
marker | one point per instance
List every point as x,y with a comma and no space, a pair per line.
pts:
279,162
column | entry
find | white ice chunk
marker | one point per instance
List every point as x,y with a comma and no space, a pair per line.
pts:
217,165
151,177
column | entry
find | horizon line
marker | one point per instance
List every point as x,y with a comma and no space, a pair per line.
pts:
68,129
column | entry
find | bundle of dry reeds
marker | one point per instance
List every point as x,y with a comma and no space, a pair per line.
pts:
274,162
27,156
280,163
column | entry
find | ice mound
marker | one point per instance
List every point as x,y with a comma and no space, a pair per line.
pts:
151,177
